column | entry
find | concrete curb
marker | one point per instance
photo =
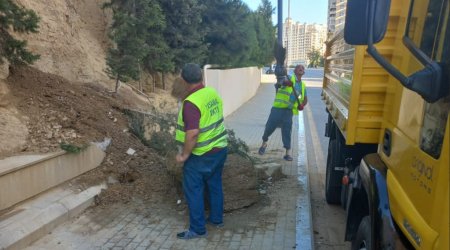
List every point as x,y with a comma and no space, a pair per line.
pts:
304,226
29,222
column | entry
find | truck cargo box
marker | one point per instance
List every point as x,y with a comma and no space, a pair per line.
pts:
355,86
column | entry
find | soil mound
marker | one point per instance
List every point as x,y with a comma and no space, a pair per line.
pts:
59,112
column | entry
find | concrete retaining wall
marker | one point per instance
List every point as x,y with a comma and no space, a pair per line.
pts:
235,86
22,177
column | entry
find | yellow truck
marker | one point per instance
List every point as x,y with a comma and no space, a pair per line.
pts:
386,90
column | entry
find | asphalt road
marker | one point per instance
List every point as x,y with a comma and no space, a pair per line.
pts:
328,220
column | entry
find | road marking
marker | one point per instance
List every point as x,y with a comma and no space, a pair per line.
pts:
318,152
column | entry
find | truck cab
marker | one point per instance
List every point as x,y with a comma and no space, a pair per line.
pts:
386,88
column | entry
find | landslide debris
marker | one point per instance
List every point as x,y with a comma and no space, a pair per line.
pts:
63,114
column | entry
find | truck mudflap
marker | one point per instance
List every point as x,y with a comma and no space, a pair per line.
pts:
369,197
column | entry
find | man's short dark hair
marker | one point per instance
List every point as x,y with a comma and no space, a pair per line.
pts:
192,73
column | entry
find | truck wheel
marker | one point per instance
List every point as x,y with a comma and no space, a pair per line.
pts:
333,179
363,239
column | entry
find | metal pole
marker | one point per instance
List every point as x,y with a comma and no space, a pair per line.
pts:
280,22
280,70
288,31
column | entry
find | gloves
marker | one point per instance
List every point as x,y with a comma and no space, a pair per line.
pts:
300,107
287,82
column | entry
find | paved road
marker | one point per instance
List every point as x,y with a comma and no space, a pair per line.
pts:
328,220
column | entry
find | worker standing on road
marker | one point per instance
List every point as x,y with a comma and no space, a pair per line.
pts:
202,132
289,99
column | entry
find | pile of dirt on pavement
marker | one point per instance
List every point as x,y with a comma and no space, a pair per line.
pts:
240,177
59,111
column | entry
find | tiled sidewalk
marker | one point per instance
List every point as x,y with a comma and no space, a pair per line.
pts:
280,223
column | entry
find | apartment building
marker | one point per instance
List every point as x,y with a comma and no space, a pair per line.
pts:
341,6
300,38
331,16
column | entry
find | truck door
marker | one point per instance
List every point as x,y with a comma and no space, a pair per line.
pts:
416,142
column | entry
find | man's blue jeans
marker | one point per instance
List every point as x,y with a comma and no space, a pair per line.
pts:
283,117
200,172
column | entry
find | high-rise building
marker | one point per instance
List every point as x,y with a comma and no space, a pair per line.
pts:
300,38
331,16
341,6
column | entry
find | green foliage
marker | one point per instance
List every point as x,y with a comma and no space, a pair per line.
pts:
159,57
229,33
136,33
163,35
184,32
265,34
315,59
72,148
19,20
236,145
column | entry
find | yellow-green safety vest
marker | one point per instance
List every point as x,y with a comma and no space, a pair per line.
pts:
283,100
212,129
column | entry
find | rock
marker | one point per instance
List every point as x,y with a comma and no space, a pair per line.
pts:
271,169
104,144
112,180
131,151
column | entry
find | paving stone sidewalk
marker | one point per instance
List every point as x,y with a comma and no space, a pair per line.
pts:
274,224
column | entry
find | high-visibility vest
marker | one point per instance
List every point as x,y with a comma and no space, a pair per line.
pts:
212,132
283,96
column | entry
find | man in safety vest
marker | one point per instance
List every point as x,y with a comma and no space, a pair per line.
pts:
202,133
289,99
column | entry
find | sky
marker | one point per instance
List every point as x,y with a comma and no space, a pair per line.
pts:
304,11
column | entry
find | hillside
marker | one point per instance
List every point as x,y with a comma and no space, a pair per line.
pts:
72,38
72,42
65,97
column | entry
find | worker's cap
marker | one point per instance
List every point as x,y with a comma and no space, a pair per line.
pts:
192,73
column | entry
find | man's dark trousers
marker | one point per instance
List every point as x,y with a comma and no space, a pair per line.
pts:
283,117
200,172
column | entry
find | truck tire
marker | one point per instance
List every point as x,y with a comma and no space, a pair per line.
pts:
363,238
333,178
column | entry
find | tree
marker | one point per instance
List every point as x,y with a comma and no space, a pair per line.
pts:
230,35
265,33
184,32
159,57
124,59
137,35
20,20
315,59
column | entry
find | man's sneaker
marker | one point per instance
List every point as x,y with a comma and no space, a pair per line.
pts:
187,235
218,225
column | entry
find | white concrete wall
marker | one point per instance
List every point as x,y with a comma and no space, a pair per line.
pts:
235,86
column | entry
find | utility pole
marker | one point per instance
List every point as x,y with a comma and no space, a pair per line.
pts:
280,52
288,31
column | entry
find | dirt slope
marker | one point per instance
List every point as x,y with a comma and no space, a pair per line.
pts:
60,111
72,38
64,98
